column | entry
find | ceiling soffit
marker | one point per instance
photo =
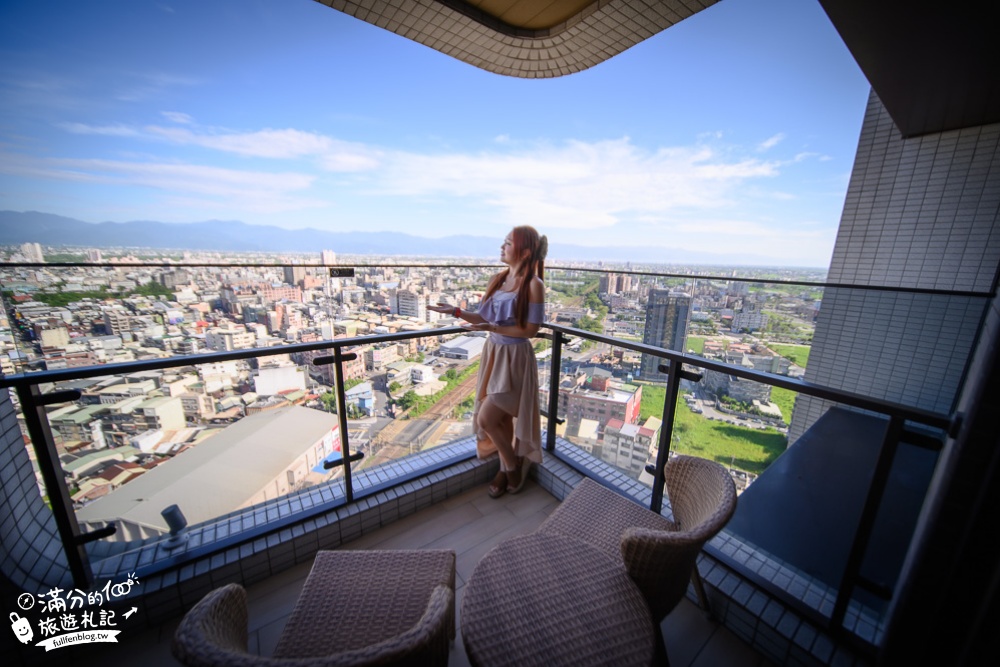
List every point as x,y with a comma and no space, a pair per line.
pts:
934,65
600,30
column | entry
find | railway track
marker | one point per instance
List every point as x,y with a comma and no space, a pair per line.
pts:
443,408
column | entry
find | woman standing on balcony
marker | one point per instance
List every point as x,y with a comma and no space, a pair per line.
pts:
505,415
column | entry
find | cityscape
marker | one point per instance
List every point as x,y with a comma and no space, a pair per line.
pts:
172,434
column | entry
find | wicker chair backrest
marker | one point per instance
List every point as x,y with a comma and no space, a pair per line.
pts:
703,498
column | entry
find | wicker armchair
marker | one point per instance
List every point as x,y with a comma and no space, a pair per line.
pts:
658,554
352,611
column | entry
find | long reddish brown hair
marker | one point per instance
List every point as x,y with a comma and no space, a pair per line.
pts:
524,239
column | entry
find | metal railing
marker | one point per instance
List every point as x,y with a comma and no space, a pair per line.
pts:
902,422
74,539
33,403
906,425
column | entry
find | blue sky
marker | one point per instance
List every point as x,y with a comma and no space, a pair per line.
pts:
733,131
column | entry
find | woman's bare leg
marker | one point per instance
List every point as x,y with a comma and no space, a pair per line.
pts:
500,427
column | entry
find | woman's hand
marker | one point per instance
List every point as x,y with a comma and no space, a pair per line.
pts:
440,307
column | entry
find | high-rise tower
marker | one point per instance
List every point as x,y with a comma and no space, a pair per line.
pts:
667,316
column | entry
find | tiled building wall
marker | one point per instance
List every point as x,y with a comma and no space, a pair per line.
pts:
922,213
30,550
955,546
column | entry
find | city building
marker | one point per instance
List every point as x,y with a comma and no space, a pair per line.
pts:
377,358
171,279
32,252
465,348
229,339
361,395
294,275
668,314
117,320
197,407
53,337
411,304
272,380
163,413
76,424
262,456
749,319
598,399
628,446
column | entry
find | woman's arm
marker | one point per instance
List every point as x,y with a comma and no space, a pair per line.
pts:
468,316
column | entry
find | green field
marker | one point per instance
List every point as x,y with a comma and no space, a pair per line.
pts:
751,450
797,354
785,400
695,344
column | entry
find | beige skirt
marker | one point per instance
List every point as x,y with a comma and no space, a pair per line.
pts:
508,374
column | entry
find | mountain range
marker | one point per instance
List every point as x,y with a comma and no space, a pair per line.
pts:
229,235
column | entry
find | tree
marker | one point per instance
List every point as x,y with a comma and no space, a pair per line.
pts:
408,400
152,288
353,382
394,387
588,323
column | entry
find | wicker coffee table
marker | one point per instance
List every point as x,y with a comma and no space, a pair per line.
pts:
552,600
360,600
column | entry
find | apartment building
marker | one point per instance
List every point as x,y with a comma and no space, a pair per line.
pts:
629,446
229,339
668,314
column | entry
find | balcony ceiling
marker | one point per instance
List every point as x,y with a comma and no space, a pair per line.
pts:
935,65
533,39
932,63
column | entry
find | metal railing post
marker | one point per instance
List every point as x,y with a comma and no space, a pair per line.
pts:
673,371
33,407
345,446
555,372
866,523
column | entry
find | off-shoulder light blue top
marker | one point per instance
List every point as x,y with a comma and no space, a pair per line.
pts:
498,309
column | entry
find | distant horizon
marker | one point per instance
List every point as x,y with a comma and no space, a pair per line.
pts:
310,252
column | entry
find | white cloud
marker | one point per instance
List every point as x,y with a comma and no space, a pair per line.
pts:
153,84
107,130
578,185
264,143
178,117
682,196
331,154
237,190
770,142
345,157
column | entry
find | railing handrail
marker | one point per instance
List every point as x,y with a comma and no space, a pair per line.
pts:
177,361
584,269
933,419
